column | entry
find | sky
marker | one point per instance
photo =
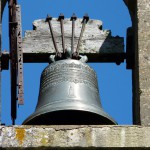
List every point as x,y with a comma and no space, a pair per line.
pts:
115,82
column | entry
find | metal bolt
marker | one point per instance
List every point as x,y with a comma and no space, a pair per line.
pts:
61,19
48,19
84,22
73,19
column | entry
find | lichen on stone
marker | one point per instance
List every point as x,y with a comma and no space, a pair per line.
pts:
20,135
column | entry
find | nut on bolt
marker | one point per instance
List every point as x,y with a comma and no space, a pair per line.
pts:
61,16
86,17
73,17
48,18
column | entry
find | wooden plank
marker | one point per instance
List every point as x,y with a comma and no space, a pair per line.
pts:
97,44
95,41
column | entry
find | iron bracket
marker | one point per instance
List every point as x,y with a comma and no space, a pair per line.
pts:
19,56
13,45
73,19
16,57
61,19
58,54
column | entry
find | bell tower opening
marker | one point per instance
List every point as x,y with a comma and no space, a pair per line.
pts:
114,81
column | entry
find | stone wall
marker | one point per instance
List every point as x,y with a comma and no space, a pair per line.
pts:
143,15
140,13
75,137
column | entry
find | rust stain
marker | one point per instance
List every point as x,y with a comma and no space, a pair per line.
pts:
20,134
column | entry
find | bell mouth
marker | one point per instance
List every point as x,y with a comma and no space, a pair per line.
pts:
70,116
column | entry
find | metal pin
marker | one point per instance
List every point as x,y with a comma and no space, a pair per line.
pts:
48,19
10,3
61,19
13,121
84,22
73,19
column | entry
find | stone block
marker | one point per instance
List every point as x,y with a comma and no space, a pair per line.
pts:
74,137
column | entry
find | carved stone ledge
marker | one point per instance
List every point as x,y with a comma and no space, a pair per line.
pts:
75,137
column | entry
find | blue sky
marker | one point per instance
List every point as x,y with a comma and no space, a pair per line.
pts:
115,82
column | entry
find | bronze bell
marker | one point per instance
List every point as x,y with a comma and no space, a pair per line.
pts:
69,96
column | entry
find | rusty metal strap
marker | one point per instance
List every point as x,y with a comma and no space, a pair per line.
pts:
19,56
13,61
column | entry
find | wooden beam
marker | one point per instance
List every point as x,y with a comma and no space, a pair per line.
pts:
97,44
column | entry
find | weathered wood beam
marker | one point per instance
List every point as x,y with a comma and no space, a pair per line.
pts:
97,44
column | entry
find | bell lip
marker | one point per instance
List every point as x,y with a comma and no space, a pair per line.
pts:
100,112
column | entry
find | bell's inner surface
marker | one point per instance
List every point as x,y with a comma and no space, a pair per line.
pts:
69,96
